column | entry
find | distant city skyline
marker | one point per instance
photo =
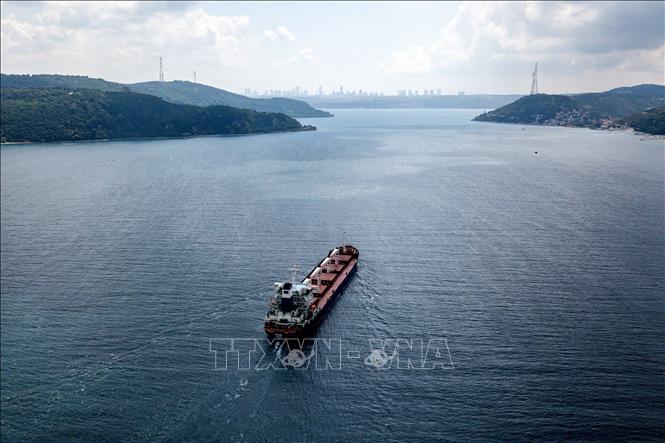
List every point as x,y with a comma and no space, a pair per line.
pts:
376,47
301,92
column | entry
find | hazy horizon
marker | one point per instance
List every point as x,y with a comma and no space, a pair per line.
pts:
479,48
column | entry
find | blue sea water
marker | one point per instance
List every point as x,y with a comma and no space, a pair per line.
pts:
544,273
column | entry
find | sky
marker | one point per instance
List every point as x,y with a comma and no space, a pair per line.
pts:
374,46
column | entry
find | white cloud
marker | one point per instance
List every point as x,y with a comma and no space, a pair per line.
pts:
489,47
304,56
415,60
281,33
197,33
22,36
598,37
100,35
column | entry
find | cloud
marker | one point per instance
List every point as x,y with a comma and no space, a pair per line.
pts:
626,36
415,60
25,36
304,56
281,33
106,34
197,32
489,47
79,14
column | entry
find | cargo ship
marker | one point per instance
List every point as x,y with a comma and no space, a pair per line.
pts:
297,308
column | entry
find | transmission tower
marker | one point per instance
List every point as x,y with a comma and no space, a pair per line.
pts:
534,82
161,70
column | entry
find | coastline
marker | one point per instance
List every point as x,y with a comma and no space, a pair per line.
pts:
626,130
305,128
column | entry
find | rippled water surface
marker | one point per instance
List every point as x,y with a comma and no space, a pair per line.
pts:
544,273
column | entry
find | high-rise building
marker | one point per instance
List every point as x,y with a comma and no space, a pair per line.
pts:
320,90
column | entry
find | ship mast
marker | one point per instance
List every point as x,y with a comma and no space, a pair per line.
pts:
294,272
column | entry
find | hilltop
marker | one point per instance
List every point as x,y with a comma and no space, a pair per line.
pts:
202,95
53,114
594,110
181,92
57,81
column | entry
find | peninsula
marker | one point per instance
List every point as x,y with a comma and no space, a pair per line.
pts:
639,107
56,114
180,92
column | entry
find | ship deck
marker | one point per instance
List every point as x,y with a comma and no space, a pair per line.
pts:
341,270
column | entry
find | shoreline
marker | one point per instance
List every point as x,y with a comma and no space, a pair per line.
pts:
305,128
626,130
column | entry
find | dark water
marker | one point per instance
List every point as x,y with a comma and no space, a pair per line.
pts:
544,273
